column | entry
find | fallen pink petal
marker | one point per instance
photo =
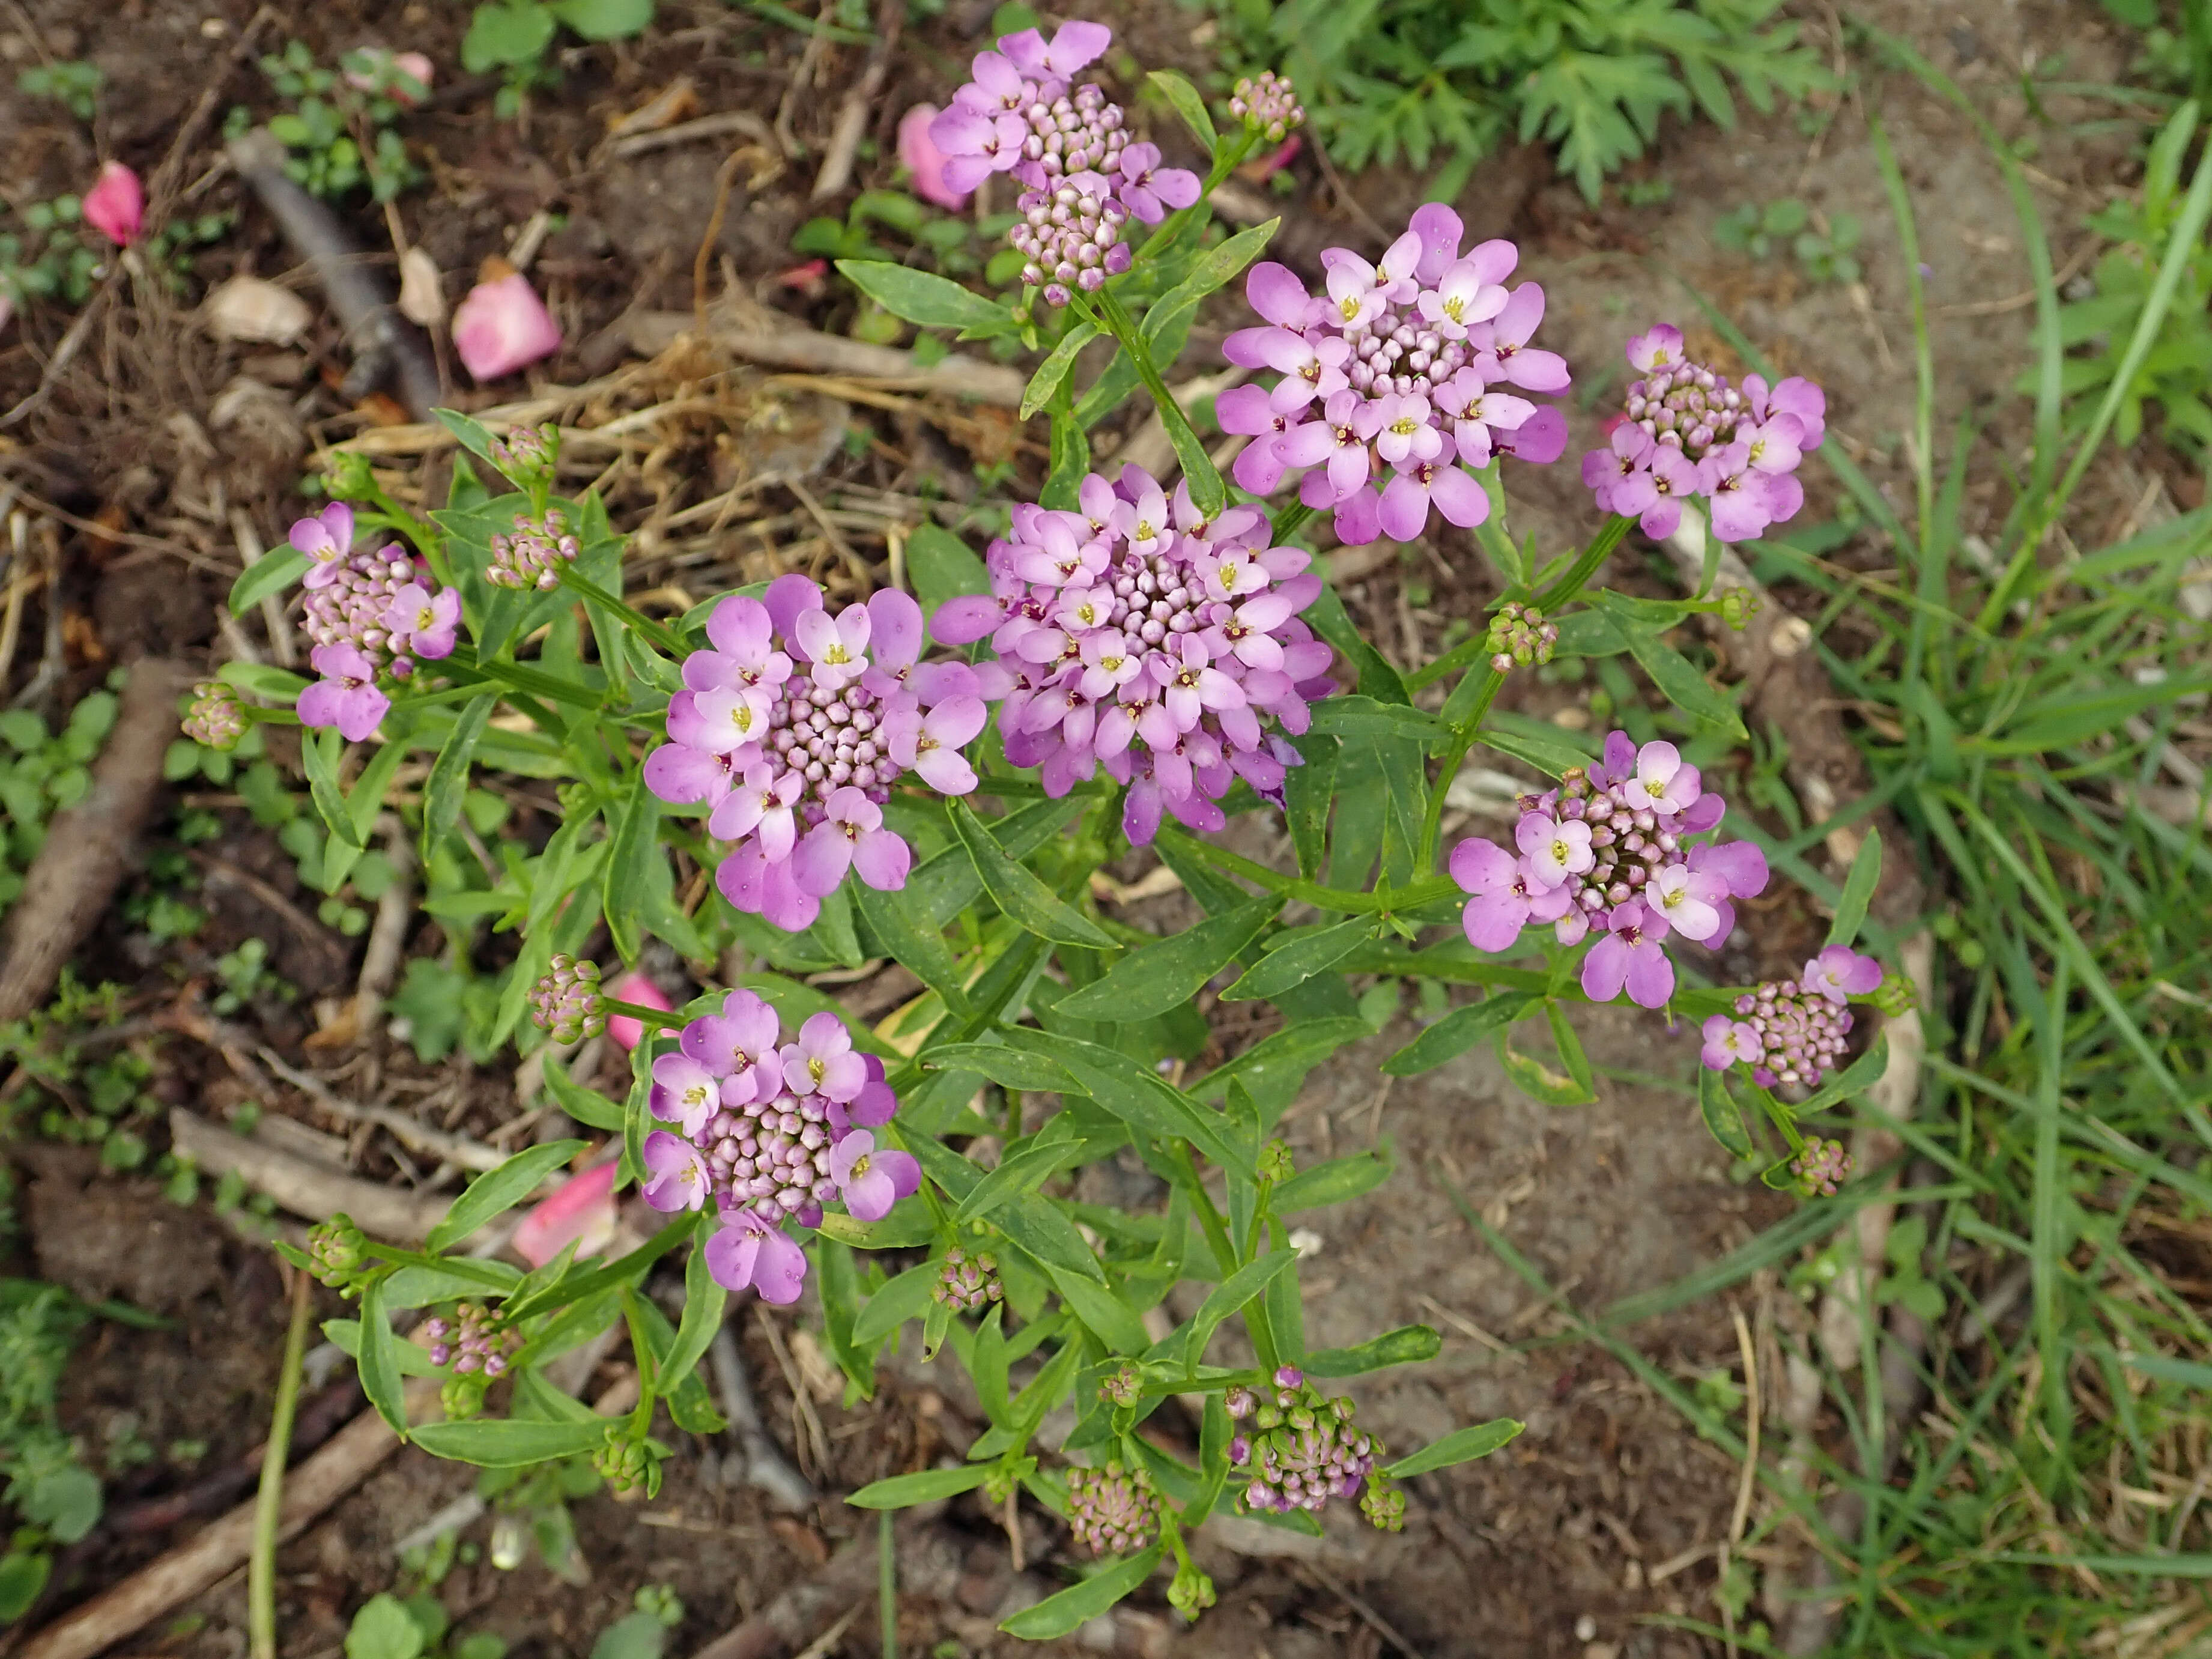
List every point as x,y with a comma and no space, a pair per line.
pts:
502,327
583,1211
627,1030
116,204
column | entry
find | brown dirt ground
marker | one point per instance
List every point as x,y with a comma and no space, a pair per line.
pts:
1547,1549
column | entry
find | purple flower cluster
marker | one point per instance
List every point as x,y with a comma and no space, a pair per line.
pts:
371,615
1606,852
1134,634
1269,103
792,728
1112,1511
1792,1031
966,1283
474,1340
1822,1167
1686,431
1392,381
769,1129
1069,146
1302,1448
532,553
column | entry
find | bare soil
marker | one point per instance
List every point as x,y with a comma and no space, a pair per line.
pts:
1608,1509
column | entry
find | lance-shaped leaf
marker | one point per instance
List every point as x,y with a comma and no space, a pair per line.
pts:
1017,890
1458,1031
1150,981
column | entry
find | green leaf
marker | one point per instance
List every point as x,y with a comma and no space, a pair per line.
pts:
1297,956
1018,892
1679,681
1570,1045
1073,1609
1458,1031
1409,1345
1537,1080
1046,382
1461,1447
259,680
605,20
1228,1297
272,572
907,1296
1102,1311
1552,759
1337,1182
902,928
506,34
909,1224
636,845
1213,269
587,1106
23,1574
419,1284
903,1491
1854,1080
1022,1172
449,775
932,302
493,1442
1008,1068
345,1336
1138,1095
383,1629
1188,104
1358,717
472,434
499,1190
1042,1228
1158,977
379,1361
704,1300
941,566
1723,1117
1307,793
319,751
1858,890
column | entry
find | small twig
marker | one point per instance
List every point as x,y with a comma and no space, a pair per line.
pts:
724,179
304,1187
778,343
269,1502
852,114
766,1466
222,872
1374,1620
53,662
706,126
808,1430
437,1143
809,65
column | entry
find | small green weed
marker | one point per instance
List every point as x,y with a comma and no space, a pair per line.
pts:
336,135
516,36
72,83
1825,246
57,1498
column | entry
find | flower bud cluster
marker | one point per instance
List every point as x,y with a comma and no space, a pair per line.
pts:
792,728
1519,634
338,1251
1112,1511
216,718
1070,146
770,1130
967,1283
527,454
1821,1168
1792,1032
1390,381
476,1339
1269,103
1300,1448
1685,431
567,1002
371,615
1382,1504
1149,642
532,554
628,1467
1608,854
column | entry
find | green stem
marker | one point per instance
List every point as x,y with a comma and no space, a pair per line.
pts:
1256,1325
1292,521
1569,586
659,1019
1118,323
269,1502
658,632
1462,740
887,1584
1466,652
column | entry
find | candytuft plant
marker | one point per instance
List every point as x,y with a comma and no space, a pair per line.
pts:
935,776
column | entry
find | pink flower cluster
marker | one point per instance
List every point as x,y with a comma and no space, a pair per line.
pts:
1685,431
792,728
1086,181
1606,852
1792,1031
371,615
1137,636
770,1129
1394,382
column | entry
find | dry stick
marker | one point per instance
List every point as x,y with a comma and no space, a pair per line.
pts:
382,341
805,351
88,845
269,1502
1789,691
304,1187
412,1133
852,114
766,1466
185,1572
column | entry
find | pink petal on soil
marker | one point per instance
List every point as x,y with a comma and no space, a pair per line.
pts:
584,1210
116,205
503,326
626,1031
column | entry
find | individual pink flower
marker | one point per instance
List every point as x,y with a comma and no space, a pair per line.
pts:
1839,973
869,1181
346,696
422,624
580,1212
1504,343
1629,953
502,326
1795,396
1554,847
930,743
760,805
1148,190
1690,901
749,1252
1662,776
324,540
837,648
1452,491
684,1092
851,835
1674,479
739,1046
872,1107
676,1175
1073,46
1728,1041
1658,348
628,1030
1504,897
116,204
925,163
823,1060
